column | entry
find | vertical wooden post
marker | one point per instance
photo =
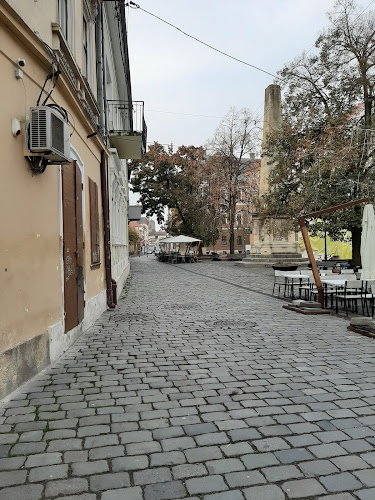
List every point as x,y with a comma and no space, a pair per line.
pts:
310,254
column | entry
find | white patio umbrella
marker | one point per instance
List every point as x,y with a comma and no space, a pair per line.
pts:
368,243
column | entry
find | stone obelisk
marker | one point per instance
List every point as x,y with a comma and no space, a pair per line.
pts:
271,241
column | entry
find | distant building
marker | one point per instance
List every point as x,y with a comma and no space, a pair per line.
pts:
244,215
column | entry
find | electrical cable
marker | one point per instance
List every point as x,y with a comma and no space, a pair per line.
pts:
136,6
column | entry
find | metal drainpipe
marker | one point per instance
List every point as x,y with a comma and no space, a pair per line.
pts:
99,69
107,239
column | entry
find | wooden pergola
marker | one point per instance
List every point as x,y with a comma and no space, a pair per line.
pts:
306,240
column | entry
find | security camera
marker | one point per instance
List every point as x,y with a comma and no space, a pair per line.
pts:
21,63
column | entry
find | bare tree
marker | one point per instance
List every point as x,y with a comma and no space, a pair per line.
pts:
229,150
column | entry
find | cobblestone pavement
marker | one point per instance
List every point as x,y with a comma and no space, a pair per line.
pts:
198,386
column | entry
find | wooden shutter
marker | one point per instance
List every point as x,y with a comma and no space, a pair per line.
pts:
94,223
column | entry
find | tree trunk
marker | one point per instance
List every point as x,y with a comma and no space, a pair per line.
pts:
356,246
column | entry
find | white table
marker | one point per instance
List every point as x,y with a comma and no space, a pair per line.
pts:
289,277
339,282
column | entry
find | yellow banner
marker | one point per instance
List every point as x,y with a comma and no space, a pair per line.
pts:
341,249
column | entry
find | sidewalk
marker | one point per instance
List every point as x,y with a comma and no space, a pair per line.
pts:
199,385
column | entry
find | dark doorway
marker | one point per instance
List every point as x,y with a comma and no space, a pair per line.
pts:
72,245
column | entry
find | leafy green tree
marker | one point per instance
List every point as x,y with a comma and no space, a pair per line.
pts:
324,155
174,180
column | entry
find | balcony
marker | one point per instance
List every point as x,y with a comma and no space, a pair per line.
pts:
127,128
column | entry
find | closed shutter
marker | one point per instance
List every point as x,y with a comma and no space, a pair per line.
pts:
94,223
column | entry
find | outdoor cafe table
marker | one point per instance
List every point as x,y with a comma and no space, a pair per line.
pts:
289,278
333,283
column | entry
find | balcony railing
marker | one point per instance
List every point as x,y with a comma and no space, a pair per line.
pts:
127,128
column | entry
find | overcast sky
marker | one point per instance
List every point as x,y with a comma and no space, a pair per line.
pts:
174,74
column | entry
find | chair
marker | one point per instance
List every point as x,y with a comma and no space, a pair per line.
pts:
368,295
307,284
280,281
352,292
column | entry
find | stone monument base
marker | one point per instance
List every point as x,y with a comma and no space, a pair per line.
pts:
273,244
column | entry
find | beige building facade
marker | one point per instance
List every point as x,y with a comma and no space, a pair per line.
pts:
55,273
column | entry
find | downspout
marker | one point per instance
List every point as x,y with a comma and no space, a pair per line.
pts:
104,82
107,239
99,68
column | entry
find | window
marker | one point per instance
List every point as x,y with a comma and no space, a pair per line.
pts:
94,223
239,240
85,40
224,240
239,219
63,17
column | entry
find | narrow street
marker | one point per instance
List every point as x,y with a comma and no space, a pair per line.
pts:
199,385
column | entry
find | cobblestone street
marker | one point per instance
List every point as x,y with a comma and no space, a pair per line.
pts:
199,385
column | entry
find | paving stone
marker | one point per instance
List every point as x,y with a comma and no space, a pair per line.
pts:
66,487
12,477
165,491
167,458
351,462
30,436
11,463
76,456
105,482
64,445
168,432
143,448
293,455
29,492
356,446
48,472
368,494
259,460
267,492
196,429
134,493
231,450
271,444
228,495
185,471
338,496
206,484
151,476
318,468
130,463
369,458
340,482
367,477
212,439
245,478
303,488
244,434
327,450
281,473
106,452
28,448
89,468
179,443
203,454
60,434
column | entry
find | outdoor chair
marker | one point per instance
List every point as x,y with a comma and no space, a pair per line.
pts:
368,295
307,284
279,281
351,294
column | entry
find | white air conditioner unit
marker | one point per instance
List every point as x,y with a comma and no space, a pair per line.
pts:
49,134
